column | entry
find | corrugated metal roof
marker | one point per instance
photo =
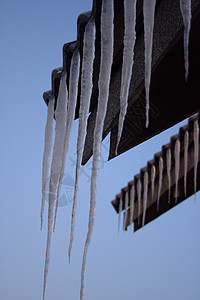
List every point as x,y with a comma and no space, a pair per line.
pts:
165,204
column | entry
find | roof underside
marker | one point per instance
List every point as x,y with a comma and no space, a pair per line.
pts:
165,203
171,98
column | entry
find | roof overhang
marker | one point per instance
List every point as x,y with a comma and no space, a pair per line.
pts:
164,204
171,98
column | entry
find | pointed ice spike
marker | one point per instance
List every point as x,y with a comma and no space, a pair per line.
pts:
153,176
177,166
196,154
48,142
107,43
185,7
73,91
139,190
126,207
60,115
128,58
160,180
86,91
148,11
169,171
145,187
120,212
186,143
132,197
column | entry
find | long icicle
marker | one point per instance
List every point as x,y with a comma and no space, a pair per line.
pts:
186,143
168,154
160,180
60,115
153,176
177,166
48,142
196,154
132,197
139,189
107,43
145,188
86,91
128,59
126,207
148,11
73,91
185,7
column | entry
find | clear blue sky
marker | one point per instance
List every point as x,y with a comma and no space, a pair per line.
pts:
161,261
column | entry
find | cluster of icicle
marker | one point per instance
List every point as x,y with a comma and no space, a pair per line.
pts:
130,198
128,52
66,104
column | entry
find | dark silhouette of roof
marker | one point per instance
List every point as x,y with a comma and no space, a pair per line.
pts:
164,204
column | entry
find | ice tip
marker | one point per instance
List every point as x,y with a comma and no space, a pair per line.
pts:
43,297
186,76
69,256
147,119
41,223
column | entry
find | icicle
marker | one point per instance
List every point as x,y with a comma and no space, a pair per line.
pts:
128,58
148,11
185,7
145,187
86,91
73,91
60,115
139,189
169,172
120,212
160,180
177,166
47,153
132,197
126,207
186,143
196,154
153,176
107,42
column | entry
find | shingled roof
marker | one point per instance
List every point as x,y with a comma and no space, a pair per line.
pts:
169,92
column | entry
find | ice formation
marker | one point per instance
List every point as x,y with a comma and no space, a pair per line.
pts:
126,207
153,176
119,213
185,7
60,115
148,11
177,166
73,90
107,43
145,188
196,153
132,197
48,142
186,143
65,115
168,156
160,180
86,91
139,190
128,58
